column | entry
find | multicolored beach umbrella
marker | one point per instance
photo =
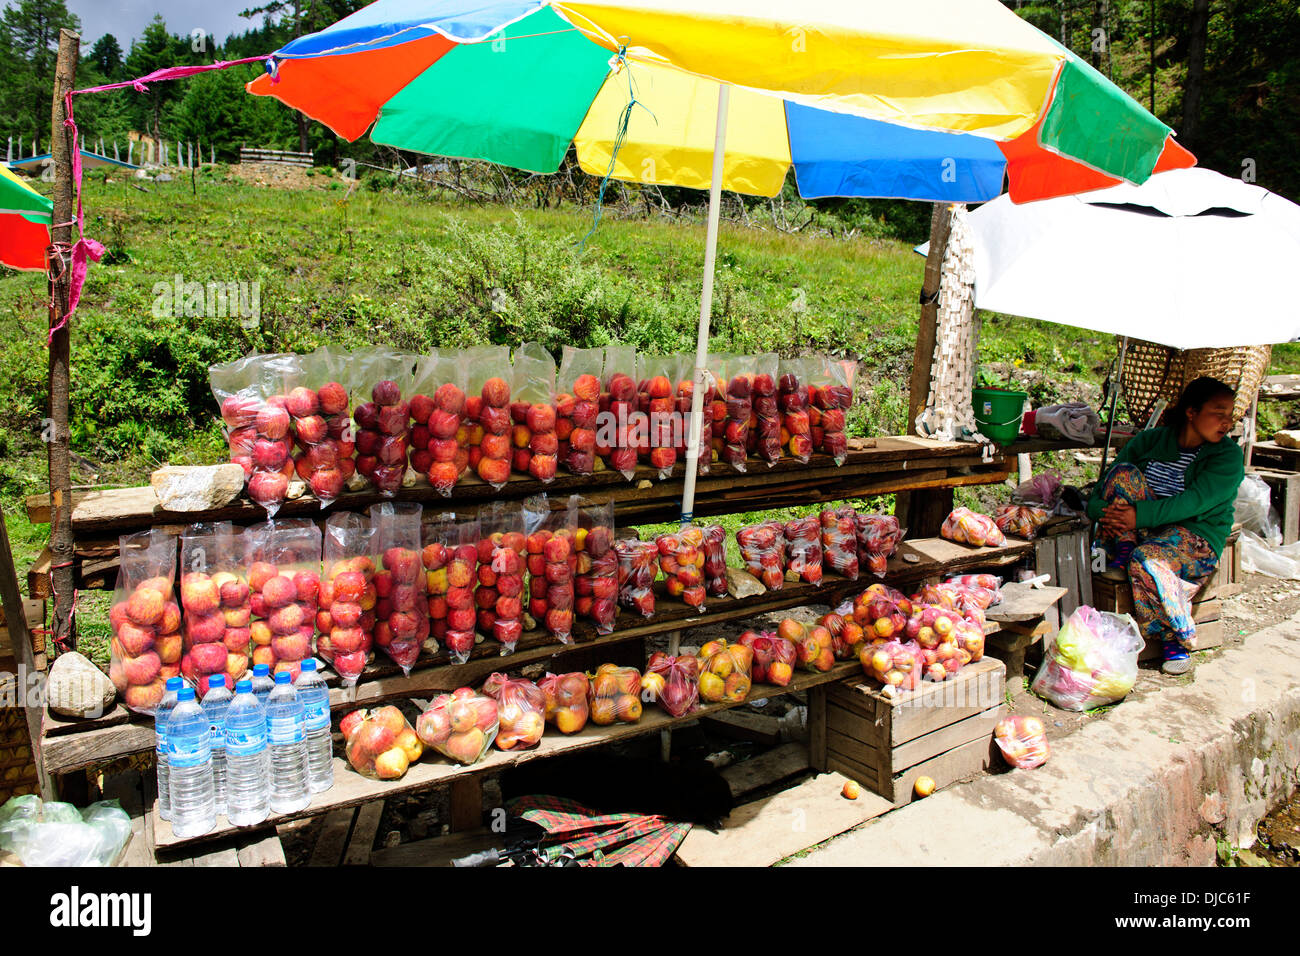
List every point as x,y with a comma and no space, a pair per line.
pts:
929,99
25,220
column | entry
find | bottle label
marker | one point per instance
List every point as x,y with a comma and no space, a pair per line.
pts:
318,715
190,753
289,729
245,743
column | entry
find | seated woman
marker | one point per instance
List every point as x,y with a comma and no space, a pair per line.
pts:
1165,509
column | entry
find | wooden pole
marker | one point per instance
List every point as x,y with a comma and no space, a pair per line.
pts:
58,436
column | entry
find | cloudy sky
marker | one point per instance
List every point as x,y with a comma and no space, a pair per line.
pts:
126,19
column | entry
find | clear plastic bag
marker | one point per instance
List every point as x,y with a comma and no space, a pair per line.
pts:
346,616
500,592
793,402
521,711
1023,521
896,664
596,584
762,548
847,634
618,400
681,558
878,539
774,657
1092,661
725,671
253,395
814,644
532,411
435,556
284,581
685,396
766,431
439,433
882,612
638,565
217,604
1022,741
488,406
1041,491
577,407
384,745
552,561
567,707
832,396
681,676
460,725
463,536
715,560
739,376
401,606
1254,509
803,549
968,527
1258,557
840,540
657,428
318,407
384,423
614,695
145,618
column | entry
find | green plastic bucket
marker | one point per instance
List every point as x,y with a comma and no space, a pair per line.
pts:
997,413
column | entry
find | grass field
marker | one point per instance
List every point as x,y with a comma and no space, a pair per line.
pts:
403,269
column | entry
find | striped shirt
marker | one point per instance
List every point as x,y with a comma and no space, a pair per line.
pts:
1165,478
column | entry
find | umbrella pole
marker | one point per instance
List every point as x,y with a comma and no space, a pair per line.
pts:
706,308
1114,396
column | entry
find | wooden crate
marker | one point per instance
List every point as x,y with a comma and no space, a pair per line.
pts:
17,765
1284,487
943,731
34,609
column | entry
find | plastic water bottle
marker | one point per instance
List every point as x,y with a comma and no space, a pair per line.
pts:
263,684
248,760
288,722
160,715
315,697
189,756
215,704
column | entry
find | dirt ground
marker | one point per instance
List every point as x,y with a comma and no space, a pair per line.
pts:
283,177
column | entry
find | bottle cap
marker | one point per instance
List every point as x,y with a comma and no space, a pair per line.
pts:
186,693
309,664
261,670
174,683
283,677
216,680
244,687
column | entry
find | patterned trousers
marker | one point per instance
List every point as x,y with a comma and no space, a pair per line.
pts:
1168,565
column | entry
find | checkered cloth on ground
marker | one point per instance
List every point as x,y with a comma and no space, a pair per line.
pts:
609,839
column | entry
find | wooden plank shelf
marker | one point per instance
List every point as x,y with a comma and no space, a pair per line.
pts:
352,789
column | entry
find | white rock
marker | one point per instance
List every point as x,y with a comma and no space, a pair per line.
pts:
197,487
742,584
1289,438
297,488
77,688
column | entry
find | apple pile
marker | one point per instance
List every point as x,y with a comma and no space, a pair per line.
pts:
284,579
814,646
638,565
935,631
774,657
969,527
681,682
796,430
521,710
829,406
725,671
566,701
239,413
846,634
575,424
460,725
596,585
434,556
894,663
348,597
401,608
217,633
445,455
803,549
878,538
840,540
552,564
146,621
493,464
1023,741
882,612
740,411
614,695
500,593
383,437
380,743
272,463
765,433
656,443
681,558
982,582
321,425
462,573
715,560
533,435
762,548
618,399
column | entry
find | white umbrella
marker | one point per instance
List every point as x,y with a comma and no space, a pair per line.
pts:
1189,259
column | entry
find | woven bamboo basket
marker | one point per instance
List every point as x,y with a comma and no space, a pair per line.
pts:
1152,372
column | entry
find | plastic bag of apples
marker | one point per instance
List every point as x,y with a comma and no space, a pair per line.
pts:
383,435
896,664
803,549
814,646
614,695
487,405
566,696
318,408
380,743
216,602
535,447
577,405
1022,741
738,374
500,593
596,584
765,434
439,431
680,690
840,540
685,396
145,618
681,558
969,527
831,394
878,539
253,393
652,432
284,578
762,548
793,402
460,725
638,565
725,671
345,620
521,711
552,564
463,536
847,635
619,401
401,608
774,657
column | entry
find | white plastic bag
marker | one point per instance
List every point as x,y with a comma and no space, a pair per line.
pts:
1093,660
1255,511
1074,421
1259,557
